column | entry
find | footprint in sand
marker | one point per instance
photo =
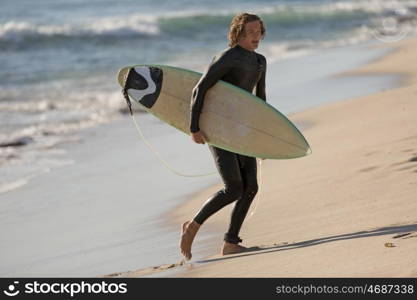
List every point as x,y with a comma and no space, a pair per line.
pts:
407,235
372,153
406,168
414,235
368,169
401,235
409,166
413,159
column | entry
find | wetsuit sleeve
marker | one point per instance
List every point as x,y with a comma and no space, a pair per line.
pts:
260,86
215,71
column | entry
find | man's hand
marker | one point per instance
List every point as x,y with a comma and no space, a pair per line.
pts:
199,137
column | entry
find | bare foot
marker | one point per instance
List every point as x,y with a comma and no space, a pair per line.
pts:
229,248
188,231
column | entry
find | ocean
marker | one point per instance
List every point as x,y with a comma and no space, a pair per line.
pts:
59,61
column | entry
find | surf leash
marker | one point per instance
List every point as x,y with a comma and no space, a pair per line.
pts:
152,148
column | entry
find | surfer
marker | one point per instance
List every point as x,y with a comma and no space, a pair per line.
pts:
242,66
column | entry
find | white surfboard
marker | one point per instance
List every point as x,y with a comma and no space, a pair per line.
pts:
232,118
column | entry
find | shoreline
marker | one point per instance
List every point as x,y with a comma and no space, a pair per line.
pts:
218,221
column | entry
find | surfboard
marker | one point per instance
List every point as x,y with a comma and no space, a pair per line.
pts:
232,118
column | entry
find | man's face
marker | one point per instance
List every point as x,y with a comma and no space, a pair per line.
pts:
251,36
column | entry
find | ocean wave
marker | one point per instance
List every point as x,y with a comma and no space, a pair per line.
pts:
366,6
19,33
201,24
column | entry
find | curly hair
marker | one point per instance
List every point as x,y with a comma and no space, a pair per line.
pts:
237,27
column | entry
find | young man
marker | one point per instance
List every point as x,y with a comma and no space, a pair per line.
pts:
242,66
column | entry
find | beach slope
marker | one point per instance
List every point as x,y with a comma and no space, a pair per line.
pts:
347,210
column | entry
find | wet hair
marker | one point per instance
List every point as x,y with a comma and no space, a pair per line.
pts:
237,27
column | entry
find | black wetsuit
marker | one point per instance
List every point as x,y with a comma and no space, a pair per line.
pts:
245,69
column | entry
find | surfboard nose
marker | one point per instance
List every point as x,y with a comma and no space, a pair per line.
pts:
136,81
143,83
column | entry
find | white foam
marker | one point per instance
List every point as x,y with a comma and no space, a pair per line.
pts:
284,50
135,24
278,51
143,24
370,6
9,186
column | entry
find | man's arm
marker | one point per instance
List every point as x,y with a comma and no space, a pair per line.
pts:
216,70
260,87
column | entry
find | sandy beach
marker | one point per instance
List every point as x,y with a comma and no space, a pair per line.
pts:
347,210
